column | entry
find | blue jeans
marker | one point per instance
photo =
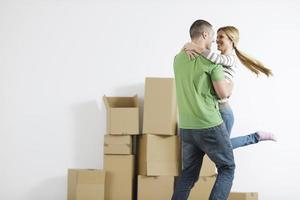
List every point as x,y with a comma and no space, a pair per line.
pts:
195,143
228,118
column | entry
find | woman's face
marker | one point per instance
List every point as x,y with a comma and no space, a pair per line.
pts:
223,42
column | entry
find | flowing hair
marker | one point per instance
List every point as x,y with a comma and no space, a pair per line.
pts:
252,64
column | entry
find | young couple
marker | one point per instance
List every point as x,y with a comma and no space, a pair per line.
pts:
204,82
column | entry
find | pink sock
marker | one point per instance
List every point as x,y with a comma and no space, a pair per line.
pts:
263,136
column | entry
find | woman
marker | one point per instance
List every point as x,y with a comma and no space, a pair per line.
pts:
227,40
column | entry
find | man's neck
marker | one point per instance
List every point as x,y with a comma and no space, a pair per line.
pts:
199,43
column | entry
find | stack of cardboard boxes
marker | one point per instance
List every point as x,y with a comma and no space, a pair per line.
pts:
119,148
159,153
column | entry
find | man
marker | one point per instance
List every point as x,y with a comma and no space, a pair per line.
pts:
202,131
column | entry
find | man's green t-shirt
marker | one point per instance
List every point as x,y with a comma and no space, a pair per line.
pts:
196,97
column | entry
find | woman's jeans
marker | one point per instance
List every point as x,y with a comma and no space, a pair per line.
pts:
195,143
228,118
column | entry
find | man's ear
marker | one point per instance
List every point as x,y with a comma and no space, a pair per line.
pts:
204,34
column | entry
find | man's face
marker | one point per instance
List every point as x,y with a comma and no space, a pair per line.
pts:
210,38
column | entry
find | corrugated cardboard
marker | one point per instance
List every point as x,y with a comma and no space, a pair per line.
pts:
208,167
202,188
119,177
159,155
160,113
86,184
243,196
122,115
118,144
155,187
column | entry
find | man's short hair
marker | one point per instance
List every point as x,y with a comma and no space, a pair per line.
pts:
198,27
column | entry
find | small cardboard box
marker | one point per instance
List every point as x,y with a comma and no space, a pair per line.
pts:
86,184
155,187
119,177
208,167
122,115
160,109
202,188
243,196
158,155
118,144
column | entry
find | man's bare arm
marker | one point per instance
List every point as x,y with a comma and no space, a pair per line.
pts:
223,88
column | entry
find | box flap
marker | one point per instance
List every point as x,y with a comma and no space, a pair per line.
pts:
121,102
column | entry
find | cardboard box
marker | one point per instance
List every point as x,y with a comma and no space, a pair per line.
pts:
158,155
208,167
122,115
119,177
117,144
155,187
86,184
160,109
202,188
243,196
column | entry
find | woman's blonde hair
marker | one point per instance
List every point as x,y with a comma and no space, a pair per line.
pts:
251,63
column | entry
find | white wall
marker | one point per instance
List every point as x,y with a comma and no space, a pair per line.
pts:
57,58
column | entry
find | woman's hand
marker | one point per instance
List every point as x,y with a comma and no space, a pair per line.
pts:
192,50
191,54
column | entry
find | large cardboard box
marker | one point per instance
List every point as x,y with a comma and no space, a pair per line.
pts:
155,187
119,177
160,113
202,188
208,167
243,196
115,144
159,155
122,115
86,184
